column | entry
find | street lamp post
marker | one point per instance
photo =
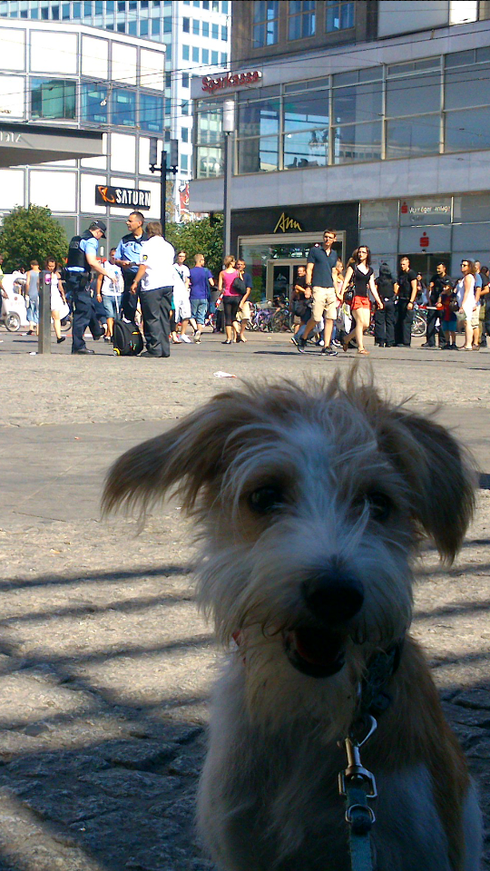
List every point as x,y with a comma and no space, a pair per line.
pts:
228,129
163,170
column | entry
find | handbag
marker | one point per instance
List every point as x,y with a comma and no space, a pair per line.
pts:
453,303
239,287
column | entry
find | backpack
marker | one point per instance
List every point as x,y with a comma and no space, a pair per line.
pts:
127,340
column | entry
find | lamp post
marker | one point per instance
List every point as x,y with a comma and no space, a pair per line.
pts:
163,170
228,129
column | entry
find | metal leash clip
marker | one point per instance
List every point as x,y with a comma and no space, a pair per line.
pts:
355,774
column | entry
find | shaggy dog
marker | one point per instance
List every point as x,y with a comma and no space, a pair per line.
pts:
312,504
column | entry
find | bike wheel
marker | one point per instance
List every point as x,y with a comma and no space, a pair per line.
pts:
263,321
280,322
419,326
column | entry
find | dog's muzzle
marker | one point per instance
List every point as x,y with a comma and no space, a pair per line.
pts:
316,646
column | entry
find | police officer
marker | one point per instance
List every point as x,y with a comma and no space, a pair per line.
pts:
82,258
128,257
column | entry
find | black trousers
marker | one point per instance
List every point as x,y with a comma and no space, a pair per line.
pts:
432,331
404,321
384,323
83,311
230,305
129,301
155,307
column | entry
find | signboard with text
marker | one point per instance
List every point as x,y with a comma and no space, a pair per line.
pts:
122,198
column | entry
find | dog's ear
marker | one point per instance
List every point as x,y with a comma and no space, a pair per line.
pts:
439,476
191,454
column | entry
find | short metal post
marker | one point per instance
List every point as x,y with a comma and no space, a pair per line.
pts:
44,337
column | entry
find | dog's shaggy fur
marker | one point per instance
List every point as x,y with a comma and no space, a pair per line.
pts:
312,504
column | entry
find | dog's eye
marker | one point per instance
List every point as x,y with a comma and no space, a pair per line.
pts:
265,500
380,506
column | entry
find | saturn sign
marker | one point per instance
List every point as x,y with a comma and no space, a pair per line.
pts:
121,197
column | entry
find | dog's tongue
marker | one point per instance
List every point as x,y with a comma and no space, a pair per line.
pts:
316,646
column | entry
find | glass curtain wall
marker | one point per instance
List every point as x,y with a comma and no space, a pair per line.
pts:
431,106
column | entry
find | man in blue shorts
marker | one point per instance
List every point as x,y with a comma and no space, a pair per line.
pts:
82,259
201,279
321,277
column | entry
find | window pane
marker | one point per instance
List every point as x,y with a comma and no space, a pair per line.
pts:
53,98
306,111
467,87
258,119
467,131
416,136
306,149
258,155
209,126
340,16
357,142
123,107
209,162
358,103
94,103
413,94
151,112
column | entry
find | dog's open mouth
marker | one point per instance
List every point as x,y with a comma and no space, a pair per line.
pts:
315,652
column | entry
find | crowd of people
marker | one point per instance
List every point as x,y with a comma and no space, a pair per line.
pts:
145,282
338,306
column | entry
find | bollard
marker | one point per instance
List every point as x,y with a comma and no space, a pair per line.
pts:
44,338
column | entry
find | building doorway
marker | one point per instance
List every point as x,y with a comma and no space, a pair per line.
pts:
426,263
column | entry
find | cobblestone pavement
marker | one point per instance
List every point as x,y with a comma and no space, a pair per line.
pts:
105,663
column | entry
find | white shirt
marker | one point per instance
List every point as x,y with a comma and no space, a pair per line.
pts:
115,285
158,257
184,272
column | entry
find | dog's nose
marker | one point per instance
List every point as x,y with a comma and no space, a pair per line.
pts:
334,595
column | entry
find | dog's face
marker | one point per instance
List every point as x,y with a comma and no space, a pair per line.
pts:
311,505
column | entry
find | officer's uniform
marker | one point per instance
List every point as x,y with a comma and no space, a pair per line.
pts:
130,249
77,288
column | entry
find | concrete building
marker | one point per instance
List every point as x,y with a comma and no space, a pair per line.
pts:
371,117
96,81
196,36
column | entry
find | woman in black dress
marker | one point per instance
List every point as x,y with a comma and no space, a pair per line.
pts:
362,275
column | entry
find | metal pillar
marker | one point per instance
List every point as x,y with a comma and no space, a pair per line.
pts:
44,337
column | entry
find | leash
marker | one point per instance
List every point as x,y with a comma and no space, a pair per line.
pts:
356,784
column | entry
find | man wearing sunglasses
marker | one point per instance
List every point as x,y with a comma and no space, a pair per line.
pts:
321,276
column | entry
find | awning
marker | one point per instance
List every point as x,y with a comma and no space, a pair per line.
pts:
22,144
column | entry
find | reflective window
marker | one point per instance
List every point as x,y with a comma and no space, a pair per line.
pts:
209,161
265,26
357,103
357,142
467,131
413,94
124,107
185,52
94,103
258,155
151,112
186,25
306,149
306,111
468,86
413,136
53,98
301,19
340,16
205,29
258,118
214,31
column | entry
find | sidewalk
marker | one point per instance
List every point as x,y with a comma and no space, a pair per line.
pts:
105,664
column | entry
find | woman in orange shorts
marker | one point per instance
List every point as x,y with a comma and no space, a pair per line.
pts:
362,275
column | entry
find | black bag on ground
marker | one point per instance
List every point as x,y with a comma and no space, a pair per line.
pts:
127,340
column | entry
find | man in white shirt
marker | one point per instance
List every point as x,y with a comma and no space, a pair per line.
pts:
109,292
156,274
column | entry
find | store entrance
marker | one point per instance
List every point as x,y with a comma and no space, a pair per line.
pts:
280,277
281,274
426,263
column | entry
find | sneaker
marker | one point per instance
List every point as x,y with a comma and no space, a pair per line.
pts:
294,340
62,339
329,352
197,337
427,345
185,339
336,343
300,344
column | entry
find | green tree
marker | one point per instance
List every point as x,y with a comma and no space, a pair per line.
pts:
199,237
31,234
